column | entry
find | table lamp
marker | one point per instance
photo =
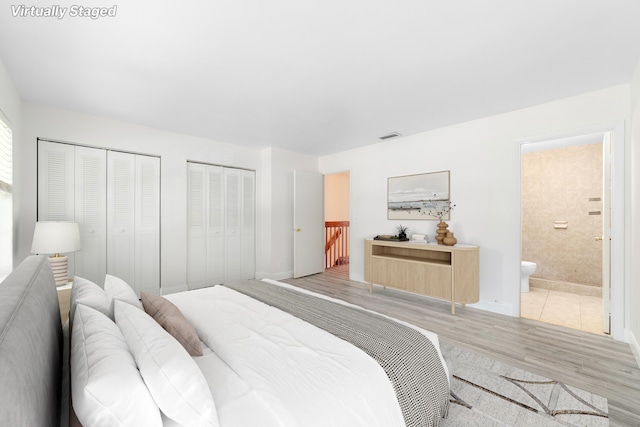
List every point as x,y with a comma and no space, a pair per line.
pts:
55,237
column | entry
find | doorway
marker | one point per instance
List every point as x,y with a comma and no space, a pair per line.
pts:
337,226
565,216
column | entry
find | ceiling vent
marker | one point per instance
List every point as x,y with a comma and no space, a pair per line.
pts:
390,135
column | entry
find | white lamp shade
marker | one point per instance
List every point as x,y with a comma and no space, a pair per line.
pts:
53,237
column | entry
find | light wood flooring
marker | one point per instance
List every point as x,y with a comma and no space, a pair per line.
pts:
596,363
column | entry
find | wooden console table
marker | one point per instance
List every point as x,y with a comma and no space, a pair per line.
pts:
446,272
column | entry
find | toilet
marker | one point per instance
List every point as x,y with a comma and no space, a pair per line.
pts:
527,268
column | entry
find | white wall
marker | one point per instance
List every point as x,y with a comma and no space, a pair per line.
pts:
173,148
484,159
634,191
11,112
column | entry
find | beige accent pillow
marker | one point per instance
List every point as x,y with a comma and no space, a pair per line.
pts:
173,321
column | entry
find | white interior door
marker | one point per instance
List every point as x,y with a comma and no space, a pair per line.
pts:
606,233
308,223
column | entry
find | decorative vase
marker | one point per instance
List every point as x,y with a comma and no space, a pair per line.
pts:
449,240
441,232
402,236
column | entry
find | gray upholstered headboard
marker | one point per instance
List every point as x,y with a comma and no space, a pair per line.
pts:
31,343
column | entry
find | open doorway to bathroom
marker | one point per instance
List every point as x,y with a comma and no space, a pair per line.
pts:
337,226
564,212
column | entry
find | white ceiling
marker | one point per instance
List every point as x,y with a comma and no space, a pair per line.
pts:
318,76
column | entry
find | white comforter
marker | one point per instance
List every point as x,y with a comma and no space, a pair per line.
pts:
267,368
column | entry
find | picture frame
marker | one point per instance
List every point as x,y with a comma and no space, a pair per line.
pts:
418,196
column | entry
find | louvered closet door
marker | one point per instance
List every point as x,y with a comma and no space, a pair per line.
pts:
133,220
56,200
233,224
91,213
221,225
205,228
248,225
147,224
216,257
196,226
121,216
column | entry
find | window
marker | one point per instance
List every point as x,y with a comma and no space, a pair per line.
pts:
6,201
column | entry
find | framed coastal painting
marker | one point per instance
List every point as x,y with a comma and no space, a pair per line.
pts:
422,196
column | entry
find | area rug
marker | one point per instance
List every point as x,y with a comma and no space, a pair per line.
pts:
485,392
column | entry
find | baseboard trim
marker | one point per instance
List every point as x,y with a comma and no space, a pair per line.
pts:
494,307
274,276
166,290
635,347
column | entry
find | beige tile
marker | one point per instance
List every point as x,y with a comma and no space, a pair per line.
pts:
564,300
591,303
593,325
591,314
562,309
532,303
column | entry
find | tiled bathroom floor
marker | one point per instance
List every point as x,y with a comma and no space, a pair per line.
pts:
562,308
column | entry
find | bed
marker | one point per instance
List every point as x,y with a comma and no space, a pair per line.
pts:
245,354
31,347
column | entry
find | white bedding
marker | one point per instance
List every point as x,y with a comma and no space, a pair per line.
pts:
265,367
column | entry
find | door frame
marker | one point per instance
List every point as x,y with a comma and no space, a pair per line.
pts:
617,268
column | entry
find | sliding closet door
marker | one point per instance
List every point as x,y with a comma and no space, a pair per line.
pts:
91,213
121,216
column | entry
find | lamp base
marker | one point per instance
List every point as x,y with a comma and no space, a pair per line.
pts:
59,267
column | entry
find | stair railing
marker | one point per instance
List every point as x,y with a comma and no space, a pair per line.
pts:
336,243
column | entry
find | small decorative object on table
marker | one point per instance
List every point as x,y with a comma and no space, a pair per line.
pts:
402,232
441,208
419,238
449,240
390,238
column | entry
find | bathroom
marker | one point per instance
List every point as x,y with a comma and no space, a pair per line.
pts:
562,223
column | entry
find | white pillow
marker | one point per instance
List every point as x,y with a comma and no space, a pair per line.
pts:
107,389
118,289
172,376
86,292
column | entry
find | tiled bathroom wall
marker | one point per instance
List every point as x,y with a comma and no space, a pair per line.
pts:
562,216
